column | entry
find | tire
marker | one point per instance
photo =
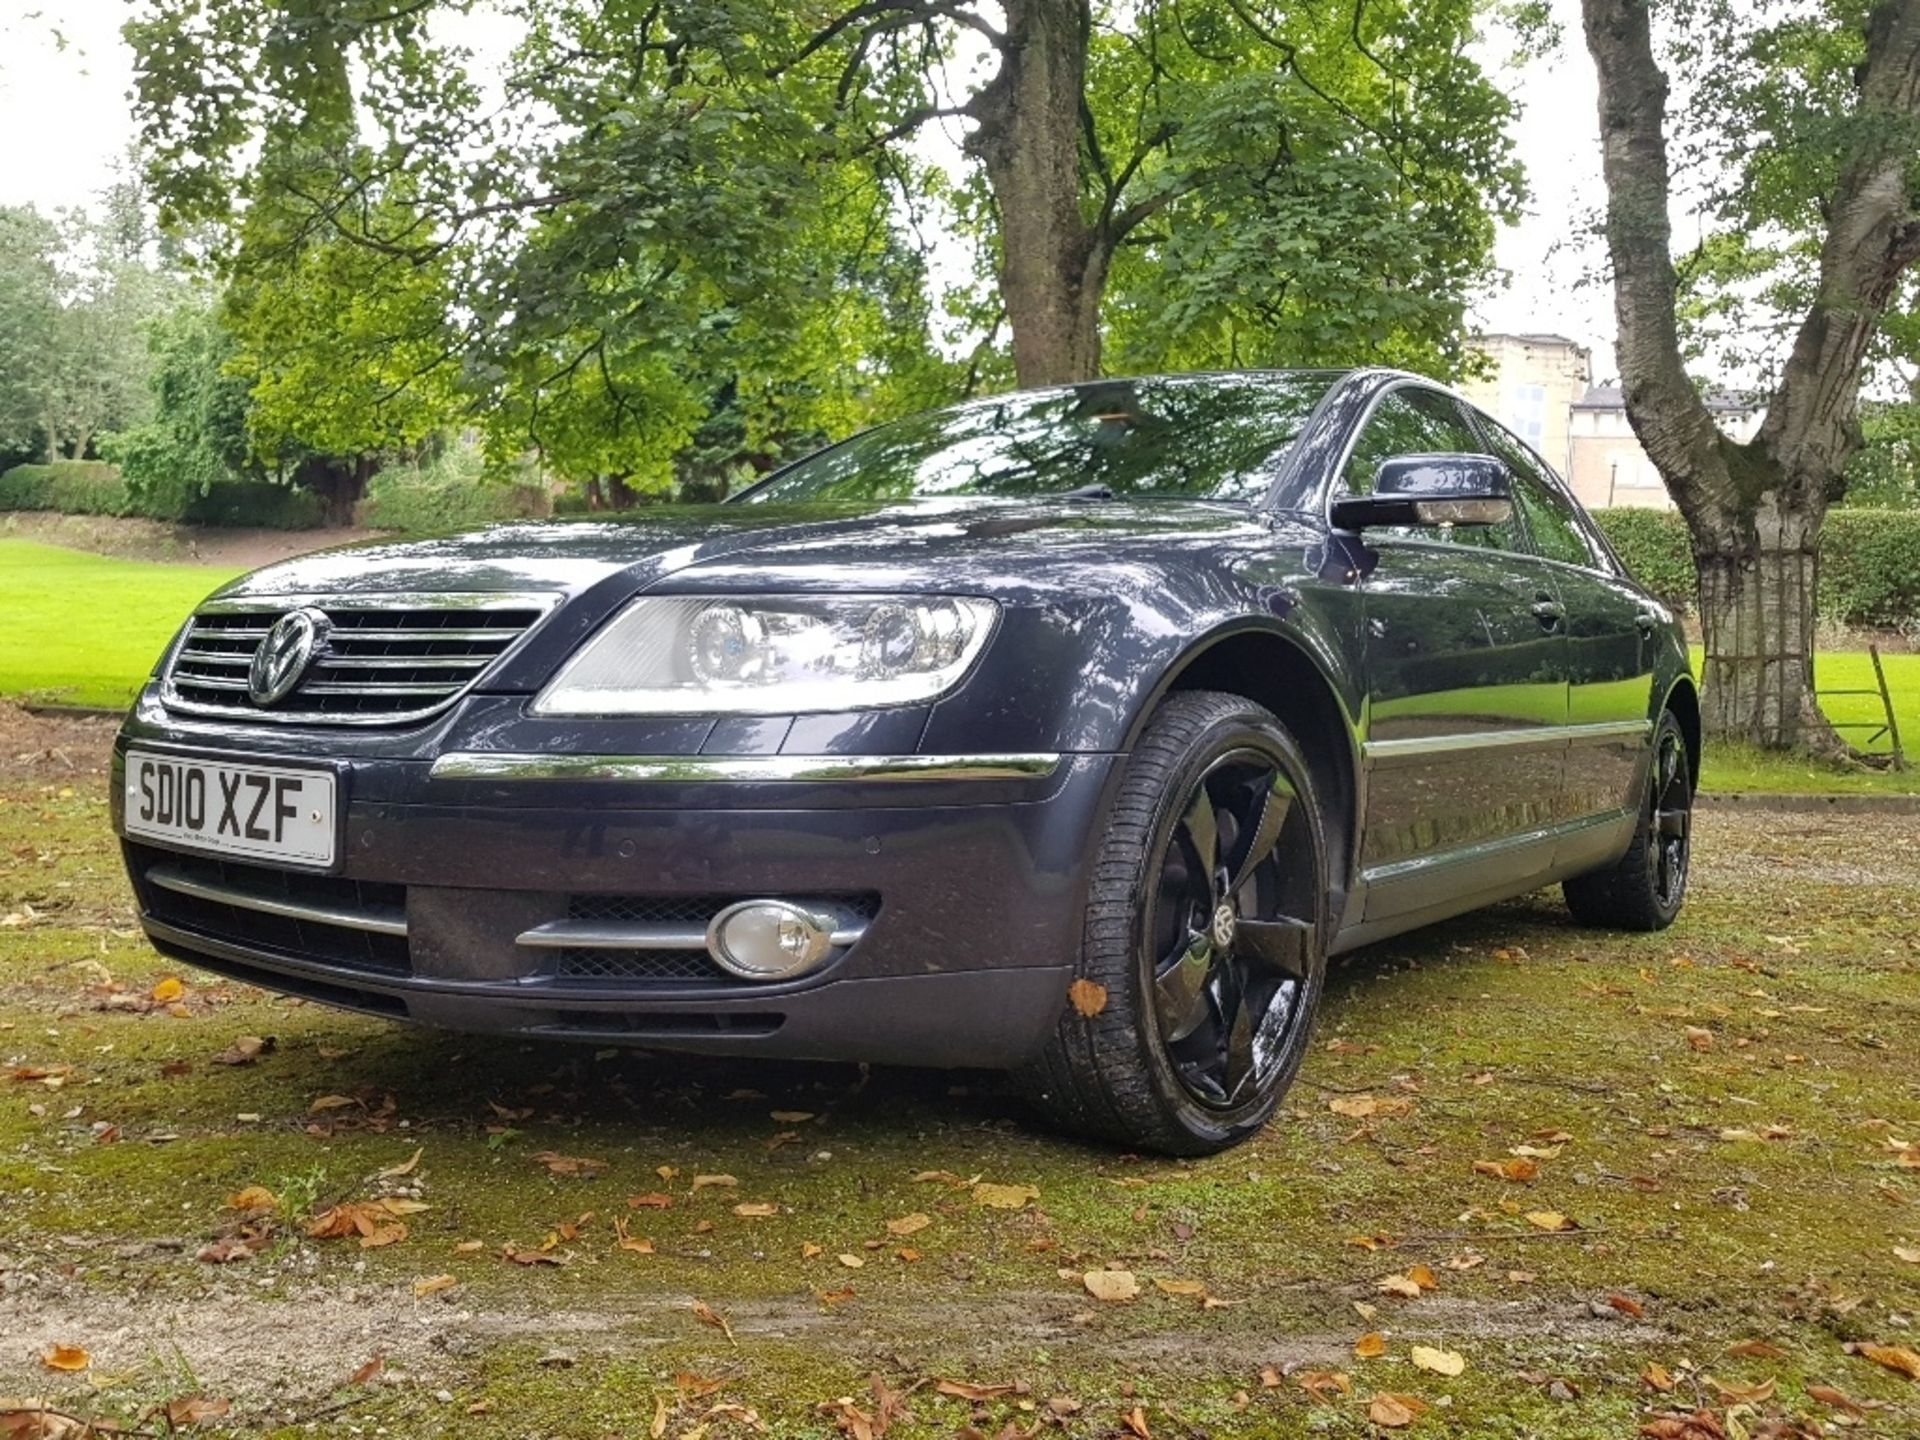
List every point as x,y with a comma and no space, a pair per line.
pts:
1159,1065
1645,888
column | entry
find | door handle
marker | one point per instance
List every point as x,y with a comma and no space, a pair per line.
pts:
1646,620
1549,613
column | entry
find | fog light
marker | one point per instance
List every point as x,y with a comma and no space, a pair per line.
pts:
767,940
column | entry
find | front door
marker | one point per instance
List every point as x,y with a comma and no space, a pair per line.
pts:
1466,664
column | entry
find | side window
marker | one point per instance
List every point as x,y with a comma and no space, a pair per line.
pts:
1551,521
1413,421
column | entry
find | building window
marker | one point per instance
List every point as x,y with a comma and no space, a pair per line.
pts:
1527,412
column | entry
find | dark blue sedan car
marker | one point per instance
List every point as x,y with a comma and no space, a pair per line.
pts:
1067,732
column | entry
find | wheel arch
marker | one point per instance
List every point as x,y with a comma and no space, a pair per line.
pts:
1684,701
1278,671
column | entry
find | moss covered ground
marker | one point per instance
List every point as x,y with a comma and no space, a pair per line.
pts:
1715,1134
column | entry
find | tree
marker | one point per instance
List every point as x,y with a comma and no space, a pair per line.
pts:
698,183
29,324
197,436
1813,118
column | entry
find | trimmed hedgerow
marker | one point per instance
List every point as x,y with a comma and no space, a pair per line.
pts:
1869,561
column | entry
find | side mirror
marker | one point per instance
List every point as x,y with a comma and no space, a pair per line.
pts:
1431,490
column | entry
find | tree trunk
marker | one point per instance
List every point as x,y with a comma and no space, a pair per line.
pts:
341,486
1757,574
619,493
1053,265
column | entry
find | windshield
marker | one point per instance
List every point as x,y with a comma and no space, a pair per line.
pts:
1199,437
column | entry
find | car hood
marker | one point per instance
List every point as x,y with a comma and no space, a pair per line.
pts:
916,545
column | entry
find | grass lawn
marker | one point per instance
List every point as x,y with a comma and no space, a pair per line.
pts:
1547,1183
82,629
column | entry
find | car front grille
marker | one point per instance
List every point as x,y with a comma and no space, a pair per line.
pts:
353,924
384,659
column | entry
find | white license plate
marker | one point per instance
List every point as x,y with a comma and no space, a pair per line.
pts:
263,812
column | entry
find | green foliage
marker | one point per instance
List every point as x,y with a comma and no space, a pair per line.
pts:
1885,472
1869,561
197,439
450,494
71,487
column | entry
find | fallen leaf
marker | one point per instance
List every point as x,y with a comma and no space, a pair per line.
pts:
69,1358
1440,1362
659,1426
331,1102
253,1197
1395,1412
1757,1349
1111,1285
1699,1039
244,1050
405,1167
1657,1377
652,1200
707,1315
367,1371
1423,1277
1519,1170
1732,1393
194,1410
1548,1220
1894,1357
529,1257
706,1182
1908,1253
1365,1107
1088,997
1004,1197
1322,1385
1399,1285
1136,1423
1179,1287
967,1390
755,1210
558,1164
1627,1305
1370,1345
1837,1399
468,1247
834,1297
909,1224
169,989
433,1285
1700,1425
852,1262
791,1117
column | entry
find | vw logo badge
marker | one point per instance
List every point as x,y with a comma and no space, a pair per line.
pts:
1224,924
284,655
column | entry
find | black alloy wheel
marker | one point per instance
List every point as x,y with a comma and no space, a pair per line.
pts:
1204,941
1645,888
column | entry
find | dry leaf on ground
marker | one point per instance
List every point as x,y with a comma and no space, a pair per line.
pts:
558,1164
70,1358
1519,1170
1894,1357
1395,1412
1111,1285
1366,1107
909,1224
1440,1362
1004,1197
1370,1345
1088,996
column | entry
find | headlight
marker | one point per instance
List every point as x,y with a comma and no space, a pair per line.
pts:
673,655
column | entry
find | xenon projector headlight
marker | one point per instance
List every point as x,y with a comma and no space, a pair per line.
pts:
686,655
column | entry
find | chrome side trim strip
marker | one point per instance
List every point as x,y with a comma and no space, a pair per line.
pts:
612,935
699,769
379,921
1495,739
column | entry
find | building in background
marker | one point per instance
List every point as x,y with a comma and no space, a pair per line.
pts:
1605,464
1530,386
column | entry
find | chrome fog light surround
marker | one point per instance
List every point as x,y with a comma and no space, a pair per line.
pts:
768,940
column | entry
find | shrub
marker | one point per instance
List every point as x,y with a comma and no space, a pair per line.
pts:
73,487
447,495
1869,561
89,487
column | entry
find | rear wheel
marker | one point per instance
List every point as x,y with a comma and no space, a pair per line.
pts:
1204,949
1646,887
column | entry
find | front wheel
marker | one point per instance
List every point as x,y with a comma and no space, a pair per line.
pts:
1204,950
1645,888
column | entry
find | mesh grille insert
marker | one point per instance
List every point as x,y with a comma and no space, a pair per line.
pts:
683,967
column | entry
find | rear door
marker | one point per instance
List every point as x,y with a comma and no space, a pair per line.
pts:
1466,671
1610,653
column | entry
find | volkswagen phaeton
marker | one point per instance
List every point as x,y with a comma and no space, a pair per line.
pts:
1067,732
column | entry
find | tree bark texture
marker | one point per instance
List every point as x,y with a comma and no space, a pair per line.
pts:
1755,510
1053,263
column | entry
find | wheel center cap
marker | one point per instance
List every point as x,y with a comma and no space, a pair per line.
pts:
1223,926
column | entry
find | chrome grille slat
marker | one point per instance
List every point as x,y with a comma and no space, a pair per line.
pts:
387,659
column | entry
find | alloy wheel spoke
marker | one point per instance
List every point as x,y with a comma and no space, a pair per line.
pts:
1276,801
1202,829
1237,1024
1180,991
1671,824
1280,945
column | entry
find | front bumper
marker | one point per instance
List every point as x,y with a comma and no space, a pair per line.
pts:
970,880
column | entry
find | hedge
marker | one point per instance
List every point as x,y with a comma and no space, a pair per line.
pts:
417,504
1869,561
92,487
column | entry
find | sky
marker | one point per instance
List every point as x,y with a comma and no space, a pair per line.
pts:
65,123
